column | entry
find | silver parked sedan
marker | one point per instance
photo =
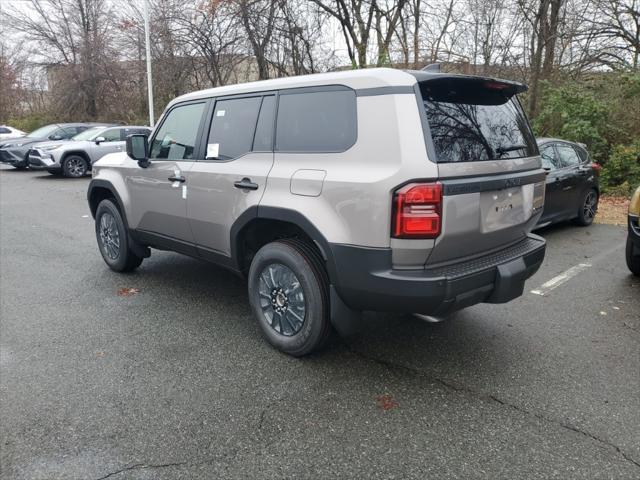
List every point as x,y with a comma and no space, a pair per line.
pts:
75,157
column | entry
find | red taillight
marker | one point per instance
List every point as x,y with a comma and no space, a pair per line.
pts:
596,167
416,211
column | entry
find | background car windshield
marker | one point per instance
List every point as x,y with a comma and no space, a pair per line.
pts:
470,123
88,134
43,131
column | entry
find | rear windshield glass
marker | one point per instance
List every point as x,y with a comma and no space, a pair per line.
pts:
474,121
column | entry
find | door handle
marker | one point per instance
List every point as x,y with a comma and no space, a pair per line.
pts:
173,178
246,184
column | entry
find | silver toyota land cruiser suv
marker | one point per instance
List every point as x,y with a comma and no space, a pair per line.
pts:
335,193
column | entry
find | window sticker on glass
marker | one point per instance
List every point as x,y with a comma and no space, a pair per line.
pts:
213,150
220,113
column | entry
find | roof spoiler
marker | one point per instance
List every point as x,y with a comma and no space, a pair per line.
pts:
433,68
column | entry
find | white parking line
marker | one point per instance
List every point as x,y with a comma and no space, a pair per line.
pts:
564,277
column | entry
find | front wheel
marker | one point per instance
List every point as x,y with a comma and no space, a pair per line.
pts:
113,239
289,295
74,166
588,208
633,260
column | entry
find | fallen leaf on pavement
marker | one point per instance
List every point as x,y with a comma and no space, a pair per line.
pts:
128,292
386,402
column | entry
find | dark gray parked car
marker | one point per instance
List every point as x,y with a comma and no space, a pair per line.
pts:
15,152
572,189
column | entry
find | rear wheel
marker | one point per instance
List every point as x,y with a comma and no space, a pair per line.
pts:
588,208
289,295
113,238
74,166
633,261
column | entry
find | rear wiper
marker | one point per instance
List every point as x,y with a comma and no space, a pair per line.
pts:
509,148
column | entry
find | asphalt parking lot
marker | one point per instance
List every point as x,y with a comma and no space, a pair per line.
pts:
173,380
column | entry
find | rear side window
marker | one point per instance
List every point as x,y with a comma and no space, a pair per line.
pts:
232,128
323,121
582,153
176,138
474,121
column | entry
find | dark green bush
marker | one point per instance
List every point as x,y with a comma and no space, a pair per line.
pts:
621,173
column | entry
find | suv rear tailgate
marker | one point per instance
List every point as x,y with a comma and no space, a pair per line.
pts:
488,164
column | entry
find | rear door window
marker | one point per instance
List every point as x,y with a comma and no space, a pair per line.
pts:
568,156
232,128
324,121
474,121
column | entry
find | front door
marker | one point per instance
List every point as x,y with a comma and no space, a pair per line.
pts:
112,143
232,178
159,192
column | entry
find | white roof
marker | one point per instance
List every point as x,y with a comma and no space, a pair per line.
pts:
356,79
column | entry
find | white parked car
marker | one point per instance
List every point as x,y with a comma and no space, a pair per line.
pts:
7,132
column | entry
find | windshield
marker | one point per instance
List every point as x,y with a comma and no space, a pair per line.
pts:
43,131
88,134
472,122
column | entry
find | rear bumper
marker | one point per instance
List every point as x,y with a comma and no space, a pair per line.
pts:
365,280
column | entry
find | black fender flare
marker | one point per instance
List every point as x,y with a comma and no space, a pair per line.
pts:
140,250
285,215
98,183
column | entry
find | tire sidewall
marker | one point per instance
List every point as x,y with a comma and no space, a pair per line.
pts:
119,264
315,306
66,171
581,217
633,261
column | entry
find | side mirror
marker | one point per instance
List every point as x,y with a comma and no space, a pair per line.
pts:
55,137
99,140
138,149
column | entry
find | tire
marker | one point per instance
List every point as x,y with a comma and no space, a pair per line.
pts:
270,273
633,261
24,165
588,208
75,166
113,238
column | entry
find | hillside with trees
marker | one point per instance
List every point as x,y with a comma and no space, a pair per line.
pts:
85,59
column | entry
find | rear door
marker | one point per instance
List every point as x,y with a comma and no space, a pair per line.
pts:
554,199
231,177
572,176
159,192
488,164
